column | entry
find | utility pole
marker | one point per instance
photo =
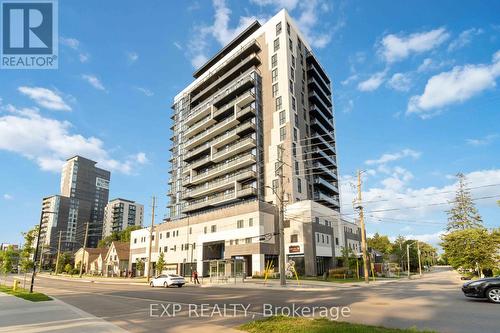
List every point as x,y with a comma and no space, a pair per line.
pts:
280,194
363,230
151,236
408,258
58,251
419,262
36,252
84,246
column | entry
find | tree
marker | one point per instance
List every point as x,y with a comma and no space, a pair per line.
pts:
398,251
139,266
463,214
160,264
122,236
28,249
380,243
8,258
472,248
68,269
64,259
348,258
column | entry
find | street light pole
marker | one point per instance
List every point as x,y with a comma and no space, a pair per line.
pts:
408,258
419,261
359,206
35,258
84,245
58,252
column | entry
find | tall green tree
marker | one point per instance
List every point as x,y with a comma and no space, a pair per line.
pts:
160,264
64,260
463,214
8,257
398,251
380,243
472,248
122,236
139,266
28,249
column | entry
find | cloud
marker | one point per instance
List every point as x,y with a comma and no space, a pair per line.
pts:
400,82
49,142
455,86
7,196
145,91
428,64
373,82
389,201
484,141
395,48
431,238
220,29
350,79
46,98
309,19
278,4
72,43
75,45
391,157
178,45
94,81
84,57
132,57
464,38
141,158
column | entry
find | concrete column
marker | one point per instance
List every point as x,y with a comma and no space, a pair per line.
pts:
258,263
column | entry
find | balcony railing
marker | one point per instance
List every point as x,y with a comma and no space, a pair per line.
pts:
328,171
219,183
332,200
235,147
320,181
221,168
250,77
330,159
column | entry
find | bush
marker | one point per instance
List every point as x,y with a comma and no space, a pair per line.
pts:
68,269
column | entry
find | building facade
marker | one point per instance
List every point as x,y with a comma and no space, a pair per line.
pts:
84,195
120,214
262,102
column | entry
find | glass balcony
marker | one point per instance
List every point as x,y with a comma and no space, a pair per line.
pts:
326,184
223,168
321,153
234,148
219,184
320,167
331,200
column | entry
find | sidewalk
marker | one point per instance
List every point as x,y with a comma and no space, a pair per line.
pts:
301,285
96,279
18,315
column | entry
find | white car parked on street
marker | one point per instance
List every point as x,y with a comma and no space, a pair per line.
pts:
167,280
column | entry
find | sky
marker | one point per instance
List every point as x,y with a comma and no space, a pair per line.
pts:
415,89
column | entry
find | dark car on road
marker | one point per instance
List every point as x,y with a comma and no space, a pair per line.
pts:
484,288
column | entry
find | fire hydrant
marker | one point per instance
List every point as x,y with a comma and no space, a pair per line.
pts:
15,285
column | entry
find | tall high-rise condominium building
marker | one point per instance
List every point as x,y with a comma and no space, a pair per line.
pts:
120,214
265,92
265,89
84,195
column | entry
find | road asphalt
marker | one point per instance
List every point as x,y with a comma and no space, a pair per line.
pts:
434,302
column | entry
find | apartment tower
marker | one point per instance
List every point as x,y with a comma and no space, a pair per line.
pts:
84,195
263,91
120,214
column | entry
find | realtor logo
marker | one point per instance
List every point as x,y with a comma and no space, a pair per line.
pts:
29,34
